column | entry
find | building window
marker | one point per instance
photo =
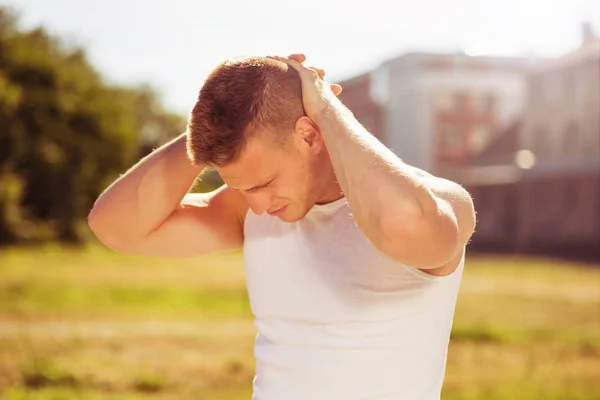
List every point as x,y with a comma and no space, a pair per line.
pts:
535,92
569,84
581,82
443,101
486,103
450,138
571,140
544,87
478,138
490,103
460,101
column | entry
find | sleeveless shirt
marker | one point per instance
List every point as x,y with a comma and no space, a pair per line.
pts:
339,320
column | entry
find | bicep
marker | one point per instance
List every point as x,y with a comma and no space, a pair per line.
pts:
202,224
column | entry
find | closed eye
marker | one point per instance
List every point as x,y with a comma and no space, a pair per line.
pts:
255,188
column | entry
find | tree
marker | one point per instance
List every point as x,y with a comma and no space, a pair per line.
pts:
64,133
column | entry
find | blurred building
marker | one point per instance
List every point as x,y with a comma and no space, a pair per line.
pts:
357,96
523,136
537,186
437,110
560,193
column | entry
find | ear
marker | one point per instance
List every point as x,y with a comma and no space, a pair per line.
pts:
308,134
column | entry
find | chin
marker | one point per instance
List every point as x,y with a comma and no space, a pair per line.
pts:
292,215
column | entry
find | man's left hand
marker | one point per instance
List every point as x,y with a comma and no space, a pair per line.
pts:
316,93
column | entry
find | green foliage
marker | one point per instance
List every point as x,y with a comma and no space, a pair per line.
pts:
207,181
65,133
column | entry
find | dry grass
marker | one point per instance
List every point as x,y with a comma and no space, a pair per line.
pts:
97,325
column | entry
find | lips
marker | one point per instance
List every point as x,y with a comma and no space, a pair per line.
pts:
277,211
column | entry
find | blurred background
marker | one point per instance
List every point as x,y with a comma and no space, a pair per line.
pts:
501,96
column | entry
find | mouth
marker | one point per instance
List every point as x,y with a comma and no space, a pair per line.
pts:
278,211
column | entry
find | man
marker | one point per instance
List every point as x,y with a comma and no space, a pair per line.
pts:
353,259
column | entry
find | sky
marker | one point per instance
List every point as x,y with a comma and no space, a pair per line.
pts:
174,44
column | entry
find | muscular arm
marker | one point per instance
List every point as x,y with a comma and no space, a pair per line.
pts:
146,210
410,215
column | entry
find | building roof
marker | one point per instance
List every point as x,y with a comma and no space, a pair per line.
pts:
450,60
357,79
588,51
496,61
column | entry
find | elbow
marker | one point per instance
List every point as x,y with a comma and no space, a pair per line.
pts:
94,222
97,225
106,234
467,231
425,242
467,218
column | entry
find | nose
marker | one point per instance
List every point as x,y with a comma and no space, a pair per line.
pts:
259,202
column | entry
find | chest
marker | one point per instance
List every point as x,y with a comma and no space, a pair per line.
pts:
324,269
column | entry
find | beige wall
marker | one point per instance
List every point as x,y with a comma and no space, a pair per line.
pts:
562,118
420,84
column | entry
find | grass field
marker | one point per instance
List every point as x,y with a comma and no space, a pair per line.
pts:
98,325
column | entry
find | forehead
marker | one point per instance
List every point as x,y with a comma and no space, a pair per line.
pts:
259,162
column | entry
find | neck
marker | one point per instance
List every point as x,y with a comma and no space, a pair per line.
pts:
331,188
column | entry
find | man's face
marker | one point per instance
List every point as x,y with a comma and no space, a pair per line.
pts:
279,180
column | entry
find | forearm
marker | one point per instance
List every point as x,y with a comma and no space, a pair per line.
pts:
141,199
375,181
393,203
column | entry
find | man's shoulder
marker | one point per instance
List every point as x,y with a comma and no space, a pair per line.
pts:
224,201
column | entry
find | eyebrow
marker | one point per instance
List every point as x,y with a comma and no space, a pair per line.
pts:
254,187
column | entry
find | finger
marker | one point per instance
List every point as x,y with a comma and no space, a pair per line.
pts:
298,57
320,71
299,67
336,89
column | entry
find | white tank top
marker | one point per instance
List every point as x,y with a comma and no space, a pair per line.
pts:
336,318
